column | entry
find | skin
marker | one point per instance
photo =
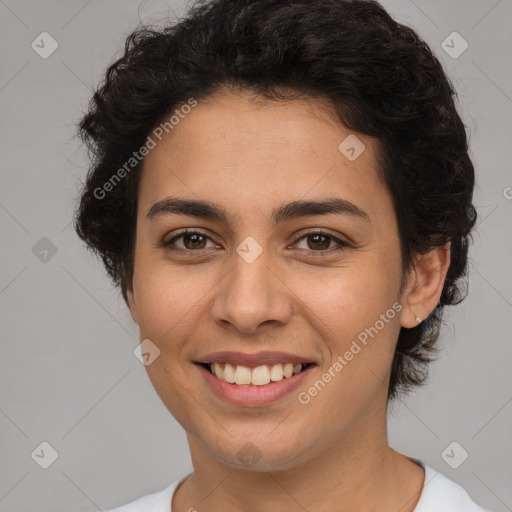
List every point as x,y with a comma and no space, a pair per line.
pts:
250,155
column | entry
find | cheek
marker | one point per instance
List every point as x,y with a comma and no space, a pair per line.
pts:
169,297
353,313
163,308
350,298
168,305
153,292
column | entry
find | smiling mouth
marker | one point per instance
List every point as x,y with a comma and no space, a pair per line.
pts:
258,376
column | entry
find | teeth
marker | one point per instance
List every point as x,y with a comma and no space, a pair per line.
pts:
276,373
217,370
259,376
229,373
242,375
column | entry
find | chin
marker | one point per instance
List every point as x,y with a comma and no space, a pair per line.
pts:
261,454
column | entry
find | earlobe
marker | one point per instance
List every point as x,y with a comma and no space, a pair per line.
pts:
132,304
425,285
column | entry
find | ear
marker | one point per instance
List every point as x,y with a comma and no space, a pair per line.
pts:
425,285
132,303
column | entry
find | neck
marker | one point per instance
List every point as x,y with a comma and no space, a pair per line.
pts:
358,472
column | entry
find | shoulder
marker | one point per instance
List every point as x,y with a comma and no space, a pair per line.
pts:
440,494
156,502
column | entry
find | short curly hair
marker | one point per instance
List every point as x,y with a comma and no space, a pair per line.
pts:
381,79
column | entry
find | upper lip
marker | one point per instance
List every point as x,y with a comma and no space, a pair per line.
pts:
253,360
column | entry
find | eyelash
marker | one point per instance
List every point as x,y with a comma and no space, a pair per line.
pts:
341,244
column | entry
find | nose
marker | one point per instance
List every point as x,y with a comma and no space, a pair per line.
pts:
252,295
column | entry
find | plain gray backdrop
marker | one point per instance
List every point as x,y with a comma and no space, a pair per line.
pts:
69,377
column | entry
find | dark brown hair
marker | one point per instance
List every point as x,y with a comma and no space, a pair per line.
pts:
381,79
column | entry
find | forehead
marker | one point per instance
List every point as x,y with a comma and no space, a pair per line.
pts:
250,153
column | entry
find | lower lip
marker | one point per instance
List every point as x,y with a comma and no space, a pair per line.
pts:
250,395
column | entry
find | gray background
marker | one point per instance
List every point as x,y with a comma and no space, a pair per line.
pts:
68,373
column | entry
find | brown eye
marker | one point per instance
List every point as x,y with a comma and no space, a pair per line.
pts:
192,240
318,241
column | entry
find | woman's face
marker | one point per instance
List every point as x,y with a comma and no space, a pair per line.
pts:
261,280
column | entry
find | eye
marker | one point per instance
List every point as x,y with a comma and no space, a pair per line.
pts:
195,241
192,240
320,241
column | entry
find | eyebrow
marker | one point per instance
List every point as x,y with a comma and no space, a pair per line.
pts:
293,210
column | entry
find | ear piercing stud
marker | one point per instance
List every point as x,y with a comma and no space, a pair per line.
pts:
418,320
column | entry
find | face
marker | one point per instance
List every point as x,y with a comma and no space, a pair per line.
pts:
309,282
